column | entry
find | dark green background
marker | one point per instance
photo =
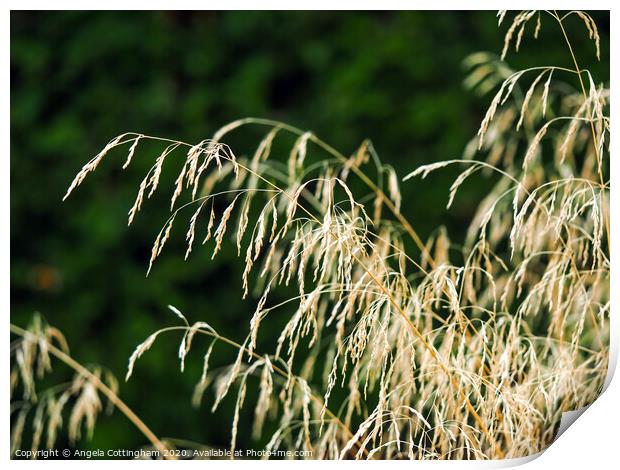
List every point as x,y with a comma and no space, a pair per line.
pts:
78,79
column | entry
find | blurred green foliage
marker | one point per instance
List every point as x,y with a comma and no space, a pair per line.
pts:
80,78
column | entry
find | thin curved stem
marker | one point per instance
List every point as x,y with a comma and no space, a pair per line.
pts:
103,388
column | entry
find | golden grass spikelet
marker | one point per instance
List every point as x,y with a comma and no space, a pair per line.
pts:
204,378
132,150
228,379
592,31
264,397
519,22
209,226
138,352
191,232
545,95
92,165
243,222
221,228
85,410
528,96
534,147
